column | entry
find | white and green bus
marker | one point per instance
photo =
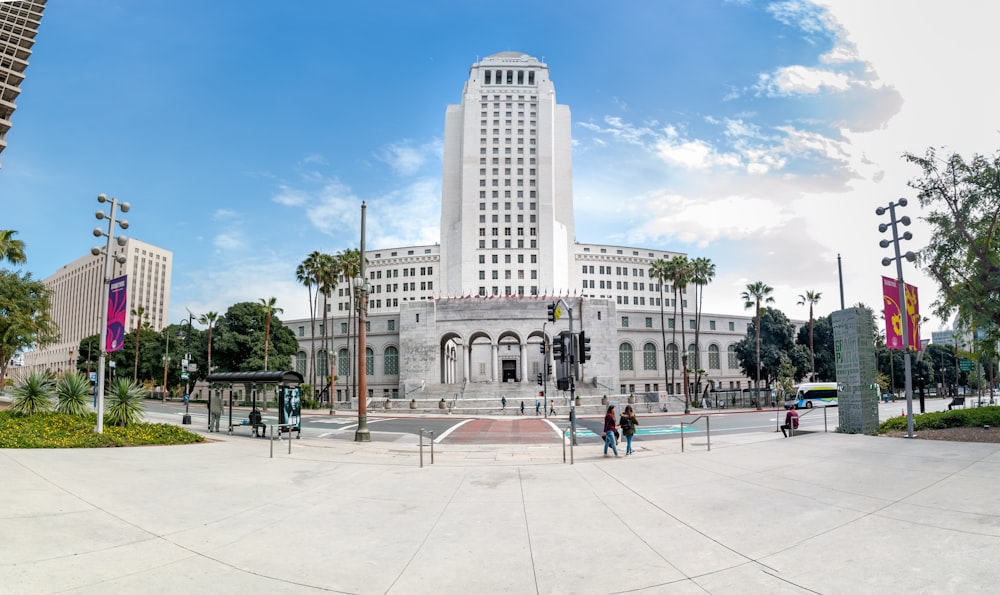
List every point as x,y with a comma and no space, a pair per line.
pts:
813,394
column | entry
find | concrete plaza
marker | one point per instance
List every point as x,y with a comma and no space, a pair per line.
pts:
817,513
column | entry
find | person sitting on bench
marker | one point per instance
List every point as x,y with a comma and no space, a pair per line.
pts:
256,421
791,422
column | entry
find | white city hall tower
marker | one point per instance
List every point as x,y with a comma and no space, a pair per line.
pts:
506,205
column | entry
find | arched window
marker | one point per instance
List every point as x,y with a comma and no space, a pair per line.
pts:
343,365
714,362
734,362
625,357
672,356
649,356
301,359
692,356
322,365
369,362
391,361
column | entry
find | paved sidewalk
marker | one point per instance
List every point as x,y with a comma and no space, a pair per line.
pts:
818,513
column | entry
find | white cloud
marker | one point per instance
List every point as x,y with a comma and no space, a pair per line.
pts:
405,158
229,241
800,80
695,154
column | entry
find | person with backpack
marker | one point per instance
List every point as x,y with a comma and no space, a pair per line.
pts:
609,431
628,422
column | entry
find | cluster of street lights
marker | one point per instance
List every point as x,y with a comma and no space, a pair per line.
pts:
898,258
122,240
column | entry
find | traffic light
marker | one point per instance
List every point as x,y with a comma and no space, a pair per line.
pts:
543,346
539,378
553,313
548,369
558,348
584,347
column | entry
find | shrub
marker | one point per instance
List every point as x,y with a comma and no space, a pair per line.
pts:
73,392
58,430
124,403
956,418
33,394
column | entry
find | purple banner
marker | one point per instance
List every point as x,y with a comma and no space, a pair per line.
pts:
117,298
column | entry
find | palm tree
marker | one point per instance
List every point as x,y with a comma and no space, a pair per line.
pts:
811,298
327,271
350,266
11,250
681,273
756,293
306,274
269,307
208,319
659,269
138,314
703,271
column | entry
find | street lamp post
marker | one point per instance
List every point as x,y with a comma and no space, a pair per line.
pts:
362,433
166,363
111,216
910,256
186,367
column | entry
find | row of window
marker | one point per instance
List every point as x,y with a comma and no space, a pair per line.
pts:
495,231
392,273
390,362
650,357
691,323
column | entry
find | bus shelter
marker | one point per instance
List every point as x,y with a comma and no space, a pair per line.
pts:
287,387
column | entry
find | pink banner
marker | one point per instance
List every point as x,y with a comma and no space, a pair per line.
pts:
893,315
117,299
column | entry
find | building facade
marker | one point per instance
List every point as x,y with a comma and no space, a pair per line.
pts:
77,300
19,22
467,318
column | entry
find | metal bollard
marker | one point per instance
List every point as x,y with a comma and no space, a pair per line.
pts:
682,436
289,439
421,448
708,432
572,443
432,447
824,420
272,442
564,445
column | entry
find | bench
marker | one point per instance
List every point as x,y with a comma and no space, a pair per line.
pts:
956,402
255,422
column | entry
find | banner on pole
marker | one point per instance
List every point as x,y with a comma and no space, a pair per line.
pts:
894,314
117,298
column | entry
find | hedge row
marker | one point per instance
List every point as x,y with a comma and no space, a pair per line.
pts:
974,417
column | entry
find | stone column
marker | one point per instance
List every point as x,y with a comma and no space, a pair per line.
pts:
495,363
524,362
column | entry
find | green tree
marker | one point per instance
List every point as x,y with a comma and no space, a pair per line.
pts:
962,199
703,271
349,262
756,293
659,269
811,298
209,319
822,364
239,344
139,316
327,272
680,273
124,402
269,309
24,315
11,250
306,273
776,345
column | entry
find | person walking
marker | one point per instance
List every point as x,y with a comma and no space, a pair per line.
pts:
552,408
522,407
214,410
609,431
538,407
628,422
503,403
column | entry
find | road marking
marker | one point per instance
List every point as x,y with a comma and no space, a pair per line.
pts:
445,433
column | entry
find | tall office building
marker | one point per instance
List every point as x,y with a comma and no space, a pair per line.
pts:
77,300
19,22
507,186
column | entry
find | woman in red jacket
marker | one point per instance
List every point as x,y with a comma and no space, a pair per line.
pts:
609,431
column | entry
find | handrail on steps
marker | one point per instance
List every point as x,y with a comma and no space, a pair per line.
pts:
708,430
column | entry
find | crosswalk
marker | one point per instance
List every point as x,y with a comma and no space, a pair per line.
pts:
650,431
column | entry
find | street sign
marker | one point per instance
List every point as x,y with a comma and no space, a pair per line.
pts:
965,365
184,376
93,376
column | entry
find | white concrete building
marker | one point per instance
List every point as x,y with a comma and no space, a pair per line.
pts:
19,22
467,318
77,299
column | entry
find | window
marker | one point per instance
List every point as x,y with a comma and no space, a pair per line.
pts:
732,326
670,323
672,356
649,356
300,362
711,325
391,324
713,357
391,361
302,331
369,362
649,319
625,325
692,324
322,361
625,357
734,362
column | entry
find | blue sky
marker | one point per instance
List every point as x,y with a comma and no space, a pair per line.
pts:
245,135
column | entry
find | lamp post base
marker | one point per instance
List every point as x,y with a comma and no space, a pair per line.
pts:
362,434
186,420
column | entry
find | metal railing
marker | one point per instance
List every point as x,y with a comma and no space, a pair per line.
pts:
708,430
422,446
272,426
791,431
